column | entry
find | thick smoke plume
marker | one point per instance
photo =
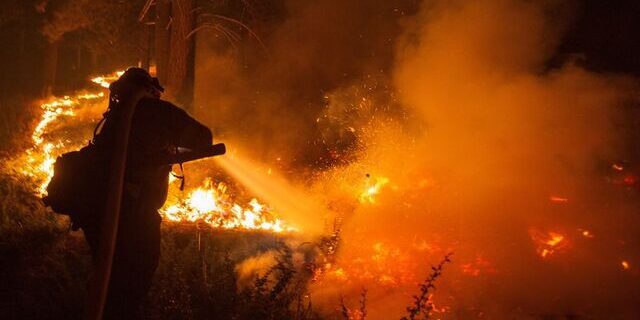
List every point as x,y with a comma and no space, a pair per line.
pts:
488,148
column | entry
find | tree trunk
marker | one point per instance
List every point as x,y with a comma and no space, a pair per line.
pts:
93,60
148,44
78,64
24,79
22,38
49,68
162,34
181,65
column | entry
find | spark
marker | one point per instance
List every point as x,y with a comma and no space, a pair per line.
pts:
625,265
558,199
587,234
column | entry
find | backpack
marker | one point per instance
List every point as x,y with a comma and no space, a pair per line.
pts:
78,186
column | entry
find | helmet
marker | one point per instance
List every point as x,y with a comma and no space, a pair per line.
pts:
136,76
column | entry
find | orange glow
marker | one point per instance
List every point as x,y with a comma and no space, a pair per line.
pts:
42,155
587,234
372,190
548,243
105,81
208,203
557,199
340,274
625,265
477,267
212,205
629,180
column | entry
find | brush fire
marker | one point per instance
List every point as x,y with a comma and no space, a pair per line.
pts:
425,160
209,203
374,263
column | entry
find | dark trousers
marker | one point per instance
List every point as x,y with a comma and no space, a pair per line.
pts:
135,259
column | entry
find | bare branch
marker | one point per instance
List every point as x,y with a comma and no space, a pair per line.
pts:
239,23
145,10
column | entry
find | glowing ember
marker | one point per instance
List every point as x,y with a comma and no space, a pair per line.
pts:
382,263
477,267
629,180
557,199
556,238
625,265
434,308
548,243
587,234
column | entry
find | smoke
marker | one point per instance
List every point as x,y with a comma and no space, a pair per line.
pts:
254,267
270,100
503,135
489,140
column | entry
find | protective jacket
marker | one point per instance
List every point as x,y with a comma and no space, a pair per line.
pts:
158,128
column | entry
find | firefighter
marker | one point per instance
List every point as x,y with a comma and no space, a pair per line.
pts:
157,128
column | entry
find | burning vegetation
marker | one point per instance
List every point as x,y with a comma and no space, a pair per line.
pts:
421,141
209,203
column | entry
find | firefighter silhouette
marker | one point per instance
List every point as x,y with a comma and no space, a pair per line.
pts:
158,127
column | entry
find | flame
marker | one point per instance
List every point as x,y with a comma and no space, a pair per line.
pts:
41,156
549,242
372,190
106,80
207,203
212,205
340,274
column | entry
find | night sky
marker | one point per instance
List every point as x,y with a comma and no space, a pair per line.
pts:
607,33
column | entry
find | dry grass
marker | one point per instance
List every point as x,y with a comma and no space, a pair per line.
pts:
422,304
197,278
16,115
44,267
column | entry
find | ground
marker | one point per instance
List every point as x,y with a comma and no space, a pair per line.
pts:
44,267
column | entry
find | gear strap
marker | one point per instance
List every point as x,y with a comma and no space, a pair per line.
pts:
181,176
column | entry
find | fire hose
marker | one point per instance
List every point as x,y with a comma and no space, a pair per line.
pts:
99,282
190,155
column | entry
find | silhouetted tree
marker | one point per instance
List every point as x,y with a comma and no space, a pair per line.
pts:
162,38
180,74
108,30
176,25
60,17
